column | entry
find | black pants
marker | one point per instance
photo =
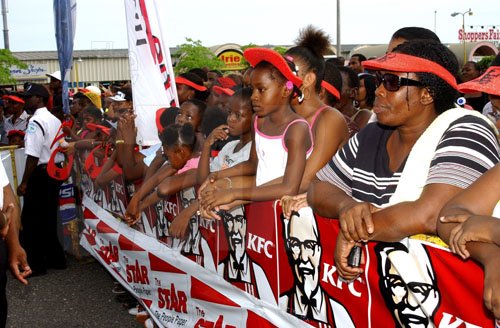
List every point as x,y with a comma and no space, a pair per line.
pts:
39,221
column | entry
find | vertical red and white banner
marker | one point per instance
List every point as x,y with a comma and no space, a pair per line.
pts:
152,76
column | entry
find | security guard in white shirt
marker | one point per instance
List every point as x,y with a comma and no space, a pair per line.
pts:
40,191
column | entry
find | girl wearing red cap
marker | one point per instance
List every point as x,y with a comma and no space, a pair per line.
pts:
281,138
392,178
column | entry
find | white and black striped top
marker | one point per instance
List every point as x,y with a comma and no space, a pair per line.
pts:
467,149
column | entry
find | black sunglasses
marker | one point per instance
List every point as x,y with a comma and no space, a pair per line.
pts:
393,82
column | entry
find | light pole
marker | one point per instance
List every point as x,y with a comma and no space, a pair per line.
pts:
435,14
339,44
463,28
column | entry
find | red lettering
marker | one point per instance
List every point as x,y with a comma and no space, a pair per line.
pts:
137,274
171,300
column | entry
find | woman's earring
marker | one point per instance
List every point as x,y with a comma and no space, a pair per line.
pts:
301,97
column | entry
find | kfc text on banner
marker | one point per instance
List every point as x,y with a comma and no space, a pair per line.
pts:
175,290
151,70
65,22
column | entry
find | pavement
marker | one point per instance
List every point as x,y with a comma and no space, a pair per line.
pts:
79,296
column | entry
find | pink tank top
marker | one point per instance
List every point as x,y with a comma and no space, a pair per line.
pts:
272,153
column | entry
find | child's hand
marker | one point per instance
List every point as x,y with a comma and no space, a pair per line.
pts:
209,182
212,199
127,129
132,214
293,203
471,228
219,133
179,226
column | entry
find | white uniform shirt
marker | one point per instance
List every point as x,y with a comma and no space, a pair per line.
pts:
40,134
4,180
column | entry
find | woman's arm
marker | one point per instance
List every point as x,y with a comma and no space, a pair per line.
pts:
330,133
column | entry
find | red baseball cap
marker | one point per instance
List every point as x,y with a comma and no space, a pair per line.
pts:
256,55
398,62
488,83
13,98
183,80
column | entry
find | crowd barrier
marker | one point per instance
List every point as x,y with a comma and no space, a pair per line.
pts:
255,268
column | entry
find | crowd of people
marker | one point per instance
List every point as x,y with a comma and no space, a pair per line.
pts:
367,143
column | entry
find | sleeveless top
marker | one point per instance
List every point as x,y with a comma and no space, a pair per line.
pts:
272,153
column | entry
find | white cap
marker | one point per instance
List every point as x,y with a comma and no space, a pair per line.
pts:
93,89
56,75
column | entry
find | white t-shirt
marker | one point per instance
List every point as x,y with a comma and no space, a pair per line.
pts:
4,180
228,158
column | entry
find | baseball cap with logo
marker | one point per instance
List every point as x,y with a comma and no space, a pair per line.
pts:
35,89
122,95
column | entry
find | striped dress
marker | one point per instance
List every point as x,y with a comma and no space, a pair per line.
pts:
467,149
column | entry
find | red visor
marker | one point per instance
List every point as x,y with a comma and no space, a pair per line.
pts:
256,55
159,113
182,80
226,82
221,90
397,62
331,89
91,166
56,172
93,127
13,98
488,83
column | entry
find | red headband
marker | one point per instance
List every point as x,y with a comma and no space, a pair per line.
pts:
221,90
182,80
488,83
398,62
159,113
331,89
256,55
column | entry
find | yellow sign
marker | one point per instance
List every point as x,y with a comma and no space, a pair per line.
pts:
233,60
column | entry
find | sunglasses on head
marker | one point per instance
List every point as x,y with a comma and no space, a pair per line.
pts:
392,82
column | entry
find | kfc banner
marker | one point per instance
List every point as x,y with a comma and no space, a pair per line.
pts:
151,72
176,291
260,266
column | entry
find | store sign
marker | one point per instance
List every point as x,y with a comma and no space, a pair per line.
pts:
490,34
233,60
33,71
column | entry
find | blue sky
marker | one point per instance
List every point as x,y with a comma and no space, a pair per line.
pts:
101,23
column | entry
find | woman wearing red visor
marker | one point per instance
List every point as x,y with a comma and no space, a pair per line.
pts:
391,180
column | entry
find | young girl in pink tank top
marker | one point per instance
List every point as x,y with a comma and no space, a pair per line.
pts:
281,138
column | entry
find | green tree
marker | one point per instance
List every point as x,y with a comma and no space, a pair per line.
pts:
485,62
7,60
193,54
